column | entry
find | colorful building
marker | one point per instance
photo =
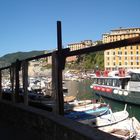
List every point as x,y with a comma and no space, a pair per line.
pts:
127,57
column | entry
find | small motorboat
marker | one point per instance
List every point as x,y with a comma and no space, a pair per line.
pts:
82,110
109,119
127,129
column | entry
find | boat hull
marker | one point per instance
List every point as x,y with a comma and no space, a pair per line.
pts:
131,98
87,114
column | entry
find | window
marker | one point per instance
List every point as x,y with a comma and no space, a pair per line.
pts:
131,63
109,82
105,81
135,77
99,81
119,53
131,52
116,83
95,81
102,81
131,47
125,53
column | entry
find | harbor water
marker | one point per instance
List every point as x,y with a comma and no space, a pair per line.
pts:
81,90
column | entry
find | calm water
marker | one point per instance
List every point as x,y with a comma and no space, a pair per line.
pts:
82,91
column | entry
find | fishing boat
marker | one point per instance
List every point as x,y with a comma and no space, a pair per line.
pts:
127,129
119,85
109,119
116,123
81,110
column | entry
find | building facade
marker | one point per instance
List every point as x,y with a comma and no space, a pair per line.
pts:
77,46
127,57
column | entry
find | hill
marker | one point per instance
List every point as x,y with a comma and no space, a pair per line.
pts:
10,58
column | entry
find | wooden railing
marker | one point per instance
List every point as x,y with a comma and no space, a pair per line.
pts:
58,64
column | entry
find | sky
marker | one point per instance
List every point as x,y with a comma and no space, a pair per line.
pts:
27,25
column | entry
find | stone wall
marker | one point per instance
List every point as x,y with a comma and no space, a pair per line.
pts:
48,125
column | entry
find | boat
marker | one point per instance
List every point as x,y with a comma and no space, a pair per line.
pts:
120,86
108,119
127,129
81,110
118,124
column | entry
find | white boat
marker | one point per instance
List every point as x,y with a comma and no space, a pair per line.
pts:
82,105
120,87
127,129
106,120
81,110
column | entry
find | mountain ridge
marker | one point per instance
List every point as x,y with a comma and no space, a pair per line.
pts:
9,58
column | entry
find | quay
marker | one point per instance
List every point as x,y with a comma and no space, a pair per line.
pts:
19,120
24,122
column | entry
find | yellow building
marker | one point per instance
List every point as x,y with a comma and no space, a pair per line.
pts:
127,57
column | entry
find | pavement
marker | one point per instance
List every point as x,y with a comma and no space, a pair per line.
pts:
9,132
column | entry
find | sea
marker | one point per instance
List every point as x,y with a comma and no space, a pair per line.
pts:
82,91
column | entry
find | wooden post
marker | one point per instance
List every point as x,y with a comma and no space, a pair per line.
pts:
25,81
17,68
57,88
59,70
12,80
59,36
0,84
55,83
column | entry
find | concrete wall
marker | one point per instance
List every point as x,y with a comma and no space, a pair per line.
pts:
49,126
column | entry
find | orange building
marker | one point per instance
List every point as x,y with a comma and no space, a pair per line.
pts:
127,57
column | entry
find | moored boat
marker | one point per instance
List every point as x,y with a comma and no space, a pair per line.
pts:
124,88
127,129
81,110
106,120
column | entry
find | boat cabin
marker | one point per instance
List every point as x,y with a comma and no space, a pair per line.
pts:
134,83
135,76
119,82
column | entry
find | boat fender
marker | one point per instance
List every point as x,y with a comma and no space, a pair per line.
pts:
125,93
115,91
120,92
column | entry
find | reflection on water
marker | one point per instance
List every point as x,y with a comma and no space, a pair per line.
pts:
82,91
79,89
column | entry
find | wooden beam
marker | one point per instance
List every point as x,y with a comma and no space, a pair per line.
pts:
0,84
17,68
106,46
25,81
12,80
